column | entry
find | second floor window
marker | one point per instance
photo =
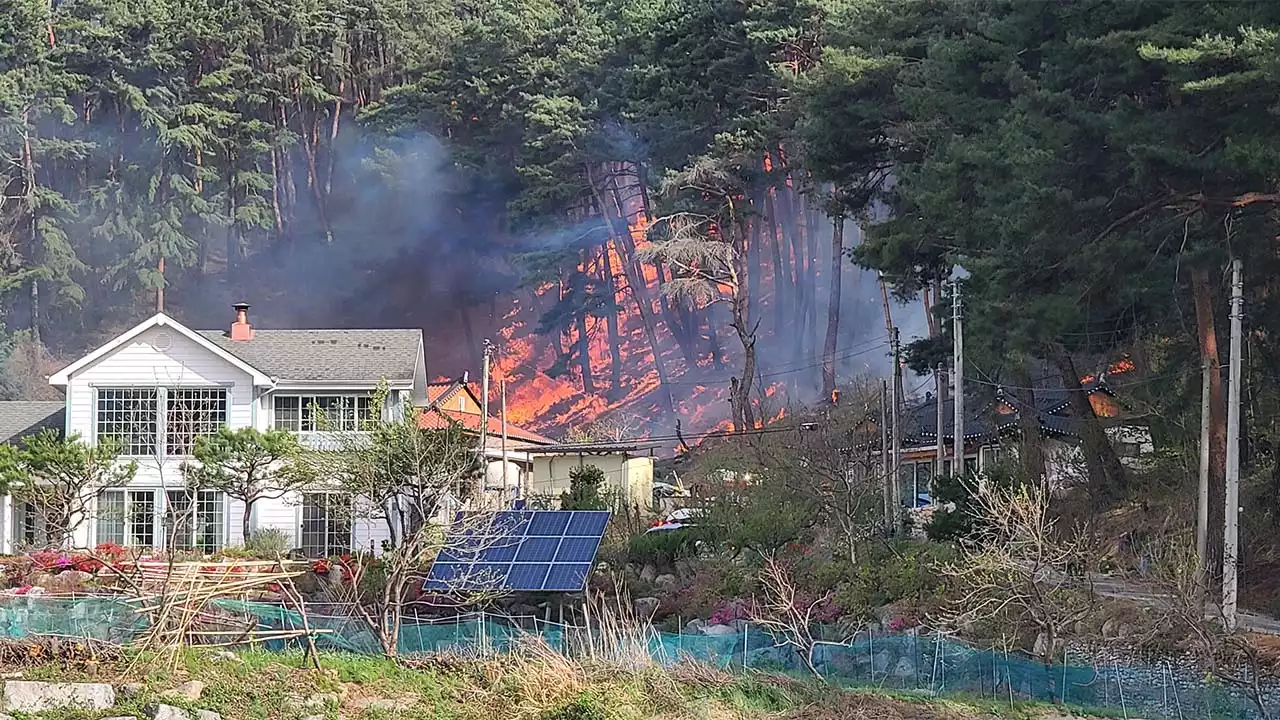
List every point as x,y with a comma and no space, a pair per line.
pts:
313,413
159,421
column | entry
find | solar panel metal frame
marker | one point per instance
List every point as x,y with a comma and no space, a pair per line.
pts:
560,560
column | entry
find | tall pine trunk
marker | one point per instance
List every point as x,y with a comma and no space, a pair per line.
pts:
781,268
611,321
1206,331
1031,459
584,342
833,308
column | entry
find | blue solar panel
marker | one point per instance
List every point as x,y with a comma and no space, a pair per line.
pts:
567,578
588,523
538,549
548,523
528,576
544,550
577,549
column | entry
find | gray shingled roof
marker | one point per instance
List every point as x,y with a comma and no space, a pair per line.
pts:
20,418
327,355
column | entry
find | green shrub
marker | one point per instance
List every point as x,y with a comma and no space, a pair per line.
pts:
586,490
267,543
662,549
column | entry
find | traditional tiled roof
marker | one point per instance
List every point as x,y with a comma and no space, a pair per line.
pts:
986,418
356,356
439,418
20,418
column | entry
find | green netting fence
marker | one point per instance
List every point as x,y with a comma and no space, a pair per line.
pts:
927,664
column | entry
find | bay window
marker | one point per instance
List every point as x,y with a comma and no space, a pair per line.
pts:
150,422
314,413
180,519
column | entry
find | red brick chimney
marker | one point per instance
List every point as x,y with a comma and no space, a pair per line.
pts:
241,330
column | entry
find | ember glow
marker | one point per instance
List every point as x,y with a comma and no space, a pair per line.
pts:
698,379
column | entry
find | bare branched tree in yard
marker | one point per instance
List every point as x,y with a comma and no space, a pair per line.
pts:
1021,569
784,614
706,251
1231,657
60,478
407,478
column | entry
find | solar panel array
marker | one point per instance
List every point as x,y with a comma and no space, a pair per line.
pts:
544,550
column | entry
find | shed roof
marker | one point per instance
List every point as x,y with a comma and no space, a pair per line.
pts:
20,418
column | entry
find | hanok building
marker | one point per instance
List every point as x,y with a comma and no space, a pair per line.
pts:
992,425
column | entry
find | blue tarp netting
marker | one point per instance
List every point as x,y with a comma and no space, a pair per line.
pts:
920,663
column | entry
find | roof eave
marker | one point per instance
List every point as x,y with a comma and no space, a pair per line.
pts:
63,377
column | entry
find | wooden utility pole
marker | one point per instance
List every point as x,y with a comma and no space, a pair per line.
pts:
884,456
897,432
940,459
502,388
1231,532
957,351
484,420
1202,496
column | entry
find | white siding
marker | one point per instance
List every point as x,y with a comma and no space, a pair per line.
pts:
143,363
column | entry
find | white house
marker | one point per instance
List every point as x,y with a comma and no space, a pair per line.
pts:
161,385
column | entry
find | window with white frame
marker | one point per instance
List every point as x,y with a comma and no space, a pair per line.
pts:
312,413
159,421
129,417
326,524
190,414
31,525
127,517
194,520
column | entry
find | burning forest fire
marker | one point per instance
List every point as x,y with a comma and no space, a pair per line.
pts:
663,361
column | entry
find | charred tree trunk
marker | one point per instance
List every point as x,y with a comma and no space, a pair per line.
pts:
611,321
833,308
1202,292
1031,460
781,268
753,267
743,325
1106,474
583,344
639,289
801,283
811,286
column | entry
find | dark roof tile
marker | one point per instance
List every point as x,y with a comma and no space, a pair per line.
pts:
20,418
328,355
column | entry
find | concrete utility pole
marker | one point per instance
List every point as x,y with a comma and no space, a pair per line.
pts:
957,351
884,456
1202,496
484,420
1231,533
896,471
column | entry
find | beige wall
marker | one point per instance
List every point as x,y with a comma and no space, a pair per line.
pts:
628,476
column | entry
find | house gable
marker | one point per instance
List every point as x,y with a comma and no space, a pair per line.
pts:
161,333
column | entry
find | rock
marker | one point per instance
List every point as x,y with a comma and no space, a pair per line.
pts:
119,717
686,569
719,630
666,581
132,690
1109,628
645,607
166,712
78,577
33,697
648,573
314,717
207,715
1041,646
226,656
191,691
320,701
695,626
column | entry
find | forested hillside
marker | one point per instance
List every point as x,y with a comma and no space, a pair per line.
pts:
672,209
